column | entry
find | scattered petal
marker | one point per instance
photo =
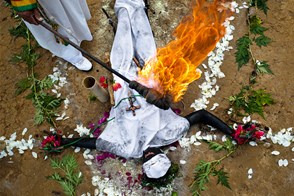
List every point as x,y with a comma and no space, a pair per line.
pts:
250,171
77,149
35,155
183,162
88,162
24,131
275,152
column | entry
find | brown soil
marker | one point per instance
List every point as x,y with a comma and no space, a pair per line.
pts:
25,175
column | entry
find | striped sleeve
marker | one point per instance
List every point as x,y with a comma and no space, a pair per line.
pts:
23,5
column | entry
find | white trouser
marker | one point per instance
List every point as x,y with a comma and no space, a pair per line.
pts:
73,16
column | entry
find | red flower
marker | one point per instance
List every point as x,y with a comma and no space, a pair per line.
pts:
103,82
116,86
50,141
258,134
245,133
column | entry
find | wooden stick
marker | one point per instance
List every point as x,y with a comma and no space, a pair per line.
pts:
111,93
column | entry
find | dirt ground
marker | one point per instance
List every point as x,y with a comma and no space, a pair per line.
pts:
25,175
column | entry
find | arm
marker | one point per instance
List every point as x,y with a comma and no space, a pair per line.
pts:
27,10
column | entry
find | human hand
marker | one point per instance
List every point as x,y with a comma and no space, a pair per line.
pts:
31,16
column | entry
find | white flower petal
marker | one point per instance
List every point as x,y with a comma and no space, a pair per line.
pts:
250,171
77,149
183,162
24,131
275,152
35,155
88,162
172,148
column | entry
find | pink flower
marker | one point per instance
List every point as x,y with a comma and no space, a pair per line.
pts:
116,86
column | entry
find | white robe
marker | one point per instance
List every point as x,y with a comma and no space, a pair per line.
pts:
73,16
127,135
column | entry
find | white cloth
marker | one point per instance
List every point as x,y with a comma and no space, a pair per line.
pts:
157,166
73,16
127,135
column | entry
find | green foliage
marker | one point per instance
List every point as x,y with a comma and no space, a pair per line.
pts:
45,104
204,170
255,36
92,97
19,31
27,55
243,54
222,178
23,85
261,4
263,68
70,177
262,40
256,28
215,146
249,101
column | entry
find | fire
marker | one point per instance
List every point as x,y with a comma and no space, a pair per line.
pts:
175,65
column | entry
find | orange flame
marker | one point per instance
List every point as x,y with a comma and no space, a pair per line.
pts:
174,66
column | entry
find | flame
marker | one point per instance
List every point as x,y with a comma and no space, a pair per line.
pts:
175,65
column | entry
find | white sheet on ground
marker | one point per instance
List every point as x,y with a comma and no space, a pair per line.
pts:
127,135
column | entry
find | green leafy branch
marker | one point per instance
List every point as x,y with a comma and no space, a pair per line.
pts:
249,101
255,36
204,170
70,177
44,103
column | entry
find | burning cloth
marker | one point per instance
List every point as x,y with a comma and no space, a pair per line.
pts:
129,134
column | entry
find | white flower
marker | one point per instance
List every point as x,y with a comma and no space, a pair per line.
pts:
82,130
246,119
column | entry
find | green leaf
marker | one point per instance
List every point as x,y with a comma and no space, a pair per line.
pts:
215,146
261,4
263,68
257,29
23,85
55,176
228,145
38,118
19,31
69,166
242,54
262,40
222,178
250,101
